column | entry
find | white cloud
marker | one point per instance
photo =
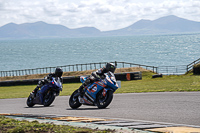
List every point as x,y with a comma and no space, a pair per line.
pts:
104,14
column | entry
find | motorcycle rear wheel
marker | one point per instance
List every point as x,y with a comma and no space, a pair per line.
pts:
29,101
74,101
104,101
48,99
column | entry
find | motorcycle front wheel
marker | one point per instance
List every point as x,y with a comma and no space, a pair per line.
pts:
74,101
48,98
29,101
104,101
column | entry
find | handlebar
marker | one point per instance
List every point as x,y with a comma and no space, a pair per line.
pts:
57,83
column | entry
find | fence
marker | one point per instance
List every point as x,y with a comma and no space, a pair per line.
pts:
190,66
166,70
76,67
172,70
177,70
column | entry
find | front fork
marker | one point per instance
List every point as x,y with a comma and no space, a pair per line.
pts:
104,92
42,96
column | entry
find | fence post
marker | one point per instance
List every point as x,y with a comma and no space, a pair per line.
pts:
76,67
12,73
167,70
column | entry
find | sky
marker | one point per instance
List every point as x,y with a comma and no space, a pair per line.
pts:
104,15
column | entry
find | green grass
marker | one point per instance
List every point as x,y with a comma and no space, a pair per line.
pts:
25,90
8,125
147,84
165,84
187,82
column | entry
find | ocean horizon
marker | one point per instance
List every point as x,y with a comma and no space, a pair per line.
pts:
153,50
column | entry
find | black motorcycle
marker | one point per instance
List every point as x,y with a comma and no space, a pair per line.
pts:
47,98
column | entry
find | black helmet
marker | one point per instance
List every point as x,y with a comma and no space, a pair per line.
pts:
58,72
110,67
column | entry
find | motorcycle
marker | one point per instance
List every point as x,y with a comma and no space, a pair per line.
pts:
98,93
47,98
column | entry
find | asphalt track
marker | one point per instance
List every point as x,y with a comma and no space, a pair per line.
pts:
169,107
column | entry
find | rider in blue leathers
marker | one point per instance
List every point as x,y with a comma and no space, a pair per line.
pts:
43,84
97,75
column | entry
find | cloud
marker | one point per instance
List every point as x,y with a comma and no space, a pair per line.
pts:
101,10
104,15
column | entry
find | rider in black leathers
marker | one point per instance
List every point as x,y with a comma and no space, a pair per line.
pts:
47,79
97,75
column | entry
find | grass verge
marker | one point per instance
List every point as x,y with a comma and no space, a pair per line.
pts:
8,125
147,84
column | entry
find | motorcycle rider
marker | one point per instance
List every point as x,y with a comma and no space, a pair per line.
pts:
99,74
58,73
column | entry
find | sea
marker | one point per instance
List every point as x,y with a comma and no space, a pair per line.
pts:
153,50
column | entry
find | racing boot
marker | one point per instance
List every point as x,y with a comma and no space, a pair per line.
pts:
87,82
34,92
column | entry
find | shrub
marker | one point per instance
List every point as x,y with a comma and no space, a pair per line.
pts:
196,69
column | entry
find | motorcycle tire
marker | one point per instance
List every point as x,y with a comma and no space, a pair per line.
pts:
74,101
104,101
48,99
29,101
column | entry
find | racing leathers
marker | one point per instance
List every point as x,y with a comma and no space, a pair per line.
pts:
99,74
46,80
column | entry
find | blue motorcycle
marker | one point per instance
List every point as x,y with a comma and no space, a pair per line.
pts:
98,93
46,95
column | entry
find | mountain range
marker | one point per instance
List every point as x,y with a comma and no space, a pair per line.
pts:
164,25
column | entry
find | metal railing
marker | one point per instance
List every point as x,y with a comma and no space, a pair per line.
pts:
172,70
127,65
166,70
190,66
70,68
177,70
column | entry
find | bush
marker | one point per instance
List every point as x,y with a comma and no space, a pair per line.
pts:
17,130
196,69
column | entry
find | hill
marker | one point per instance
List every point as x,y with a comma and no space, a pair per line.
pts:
165,25
43,30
